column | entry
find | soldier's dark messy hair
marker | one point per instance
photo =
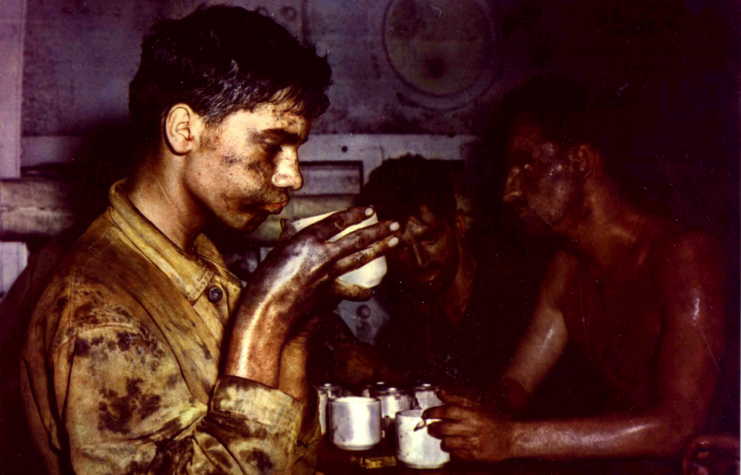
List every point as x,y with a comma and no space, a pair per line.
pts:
220,60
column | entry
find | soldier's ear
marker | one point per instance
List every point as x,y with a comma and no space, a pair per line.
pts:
460,223
584,158
182,125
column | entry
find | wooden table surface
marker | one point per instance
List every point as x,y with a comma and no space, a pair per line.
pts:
333,461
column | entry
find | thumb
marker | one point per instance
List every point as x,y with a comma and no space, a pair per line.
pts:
354,293
287,229
455,400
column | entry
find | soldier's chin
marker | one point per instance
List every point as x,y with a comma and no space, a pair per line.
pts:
536,226
434,286
246,225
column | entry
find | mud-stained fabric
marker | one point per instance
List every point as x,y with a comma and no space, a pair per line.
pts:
119,371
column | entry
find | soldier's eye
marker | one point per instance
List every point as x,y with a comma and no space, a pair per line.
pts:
430,239
270,148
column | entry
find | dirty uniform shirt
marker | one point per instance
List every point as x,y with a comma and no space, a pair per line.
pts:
119,371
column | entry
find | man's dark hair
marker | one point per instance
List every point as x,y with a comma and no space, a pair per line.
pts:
399,187
220,60
558,105
568,115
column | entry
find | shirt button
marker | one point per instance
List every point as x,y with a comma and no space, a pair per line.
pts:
215,294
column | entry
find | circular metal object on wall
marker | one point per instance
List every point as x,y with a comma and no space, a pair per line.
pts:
447,52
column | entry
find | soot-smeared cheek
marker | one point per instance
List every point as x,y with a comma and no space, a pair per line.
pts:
255,166
231,159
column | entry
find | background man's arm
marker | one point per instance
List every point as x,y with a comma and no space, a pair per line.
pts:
540,348
691,285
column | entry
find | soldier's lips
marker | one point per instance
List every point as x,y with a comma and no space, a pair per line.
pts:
276,208
518,210
428,277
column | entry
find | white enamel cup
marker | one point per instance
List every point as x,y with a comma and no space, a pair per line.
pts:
371,274
325,392
426,395
355,422
416,448
393,401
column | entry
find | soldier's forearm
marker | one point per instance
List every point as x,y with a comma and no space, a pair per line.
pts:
256,343
599,437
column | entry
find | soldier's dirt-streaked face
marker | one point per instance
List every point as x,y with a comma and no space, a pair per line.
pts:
427,257
244,168
541,186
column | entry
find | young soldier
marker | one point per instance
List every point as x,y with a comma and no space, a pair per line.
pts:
144,355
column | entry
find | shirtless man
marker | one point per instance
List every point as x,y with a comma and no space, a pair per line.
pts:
144,354
641,297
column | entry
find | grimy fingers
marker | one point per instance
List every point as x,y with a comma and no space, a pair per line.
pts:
365,237
445,429
287,230
456,444
449,398
455,413
333,225
360,258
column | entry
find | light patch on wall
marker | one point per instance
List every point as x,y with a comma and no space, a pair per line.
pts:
446,51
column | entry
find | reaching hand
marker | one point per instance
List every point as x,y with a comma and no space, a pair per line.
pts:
449,397
711,454
468,432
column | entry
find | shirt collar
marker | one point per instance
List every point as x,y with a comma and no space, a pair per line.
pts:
190,274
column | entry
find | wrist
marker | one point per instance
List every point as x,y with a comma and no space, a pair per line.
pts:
256,345
293,379
512,397
513,433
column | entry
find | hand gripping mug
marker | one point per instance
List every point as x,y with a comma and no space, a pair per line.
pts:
416,448
371,274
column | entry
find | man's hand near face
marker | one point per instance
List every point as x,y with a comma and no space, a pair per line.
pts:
297,272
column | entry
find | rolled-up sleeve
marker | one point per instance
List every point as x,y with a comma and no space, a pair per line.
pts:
264,423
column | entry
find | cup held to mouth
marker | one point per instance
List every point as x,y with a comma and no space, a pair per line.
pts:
368,276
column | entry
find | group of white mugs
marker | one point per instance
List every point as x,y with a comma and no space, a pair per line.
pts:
361,422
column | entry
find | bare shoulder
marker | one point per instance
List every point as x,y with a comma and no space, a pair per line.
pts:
689,270
688,251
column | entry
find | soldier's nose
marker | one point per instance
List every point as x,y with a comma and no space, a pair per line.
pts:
288,175
419,260
290,181
512,191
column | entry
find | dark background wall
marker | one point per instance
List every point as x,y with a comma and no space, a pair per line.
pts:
673,63
423,75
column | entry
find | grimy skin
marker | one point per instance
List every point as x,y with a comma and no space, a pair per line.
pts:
238,173
631,290
432,259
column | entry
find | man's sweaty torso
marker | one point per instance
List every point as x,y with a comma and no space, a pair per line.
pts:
616,318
